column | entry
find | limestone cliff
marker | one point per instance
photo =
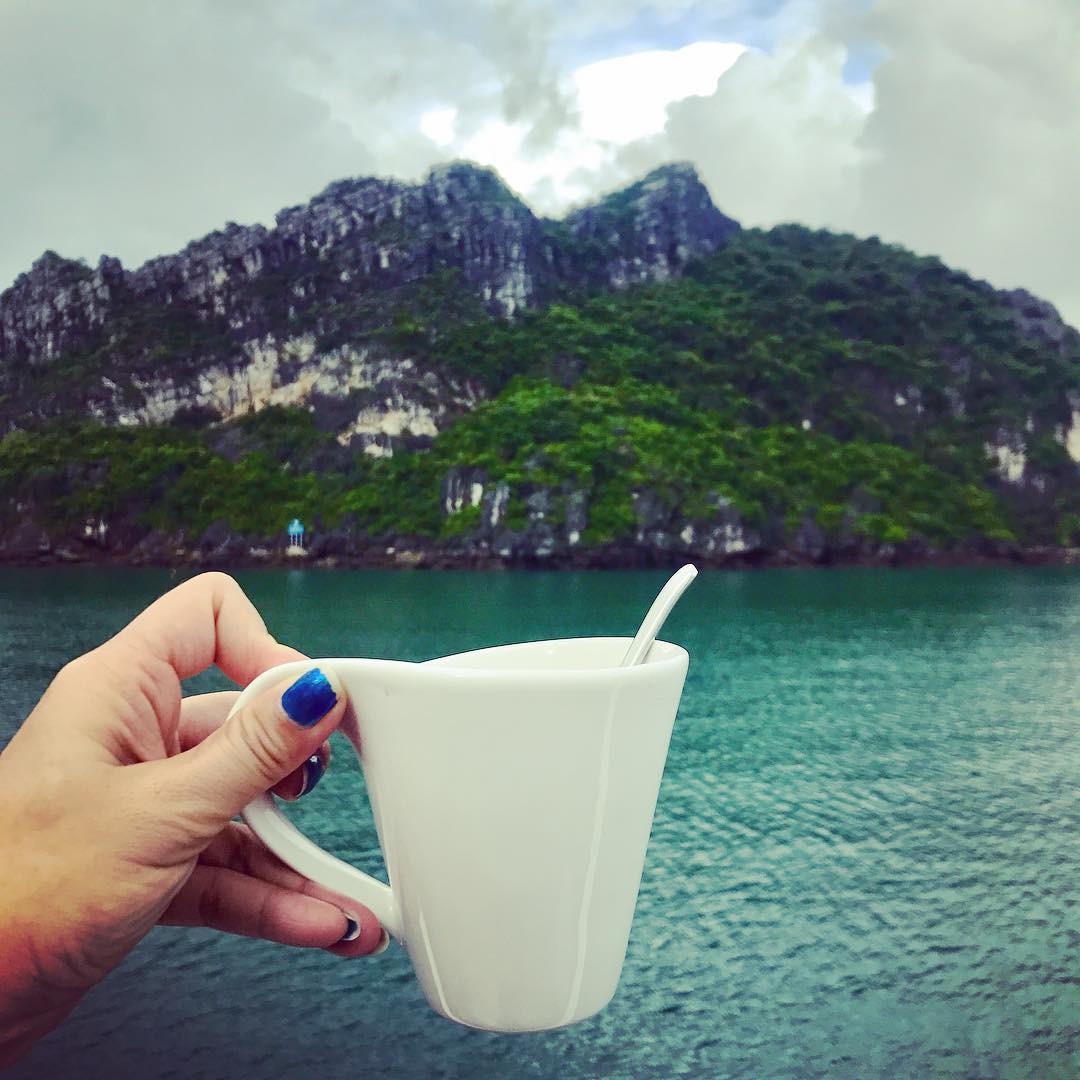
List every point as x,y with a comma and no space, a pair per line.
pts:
248,316
640,381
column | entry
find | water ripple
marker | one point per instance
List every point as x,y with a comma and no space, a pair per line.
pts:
864,861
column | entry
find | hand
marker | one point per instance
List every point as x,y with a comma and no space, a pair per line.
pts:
116,800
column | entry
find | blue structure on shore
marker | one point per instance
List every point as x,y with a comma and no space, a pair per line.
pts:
296,535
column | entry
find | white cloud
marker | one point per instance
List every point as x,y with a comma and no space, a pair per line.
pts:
973,149
626,97
776,140
614,101
438,125
966,144
132,128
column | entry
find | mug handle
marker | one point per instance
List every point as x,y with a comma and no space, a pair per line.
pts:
293,848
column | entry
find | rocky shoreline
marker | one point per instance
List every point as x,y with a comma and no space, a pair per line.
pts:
172,552
429,375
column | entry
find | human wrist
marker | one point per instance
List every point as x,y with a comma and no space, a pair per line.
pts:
30,1004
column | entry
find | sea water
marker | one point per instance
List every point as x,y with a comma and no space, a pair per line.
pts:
865,859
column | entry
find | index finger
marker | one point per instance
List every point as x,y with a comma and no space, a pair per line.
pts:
206,621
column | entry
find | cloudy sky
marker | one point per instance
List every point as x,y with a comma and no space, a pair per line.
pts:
951,126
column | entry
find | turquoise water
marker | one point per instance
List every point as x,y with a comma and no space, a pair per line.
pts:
865,859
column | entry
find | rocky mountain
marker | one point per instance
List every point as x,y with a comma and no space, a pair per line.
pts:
248,317
431,373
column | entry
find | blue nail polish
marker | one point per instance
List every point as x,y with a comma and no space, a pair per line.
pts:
352,930
309,699
312,774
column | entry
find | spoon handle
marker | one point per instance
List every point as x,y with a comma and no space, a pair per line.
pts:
657,615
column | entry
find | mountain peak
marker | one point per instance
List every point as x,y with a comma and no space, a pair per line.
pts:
685,170
50,270
371,237
671,209
466,180
462,169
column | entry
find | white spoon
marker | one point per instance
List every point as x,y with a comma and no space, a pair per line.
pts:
655,617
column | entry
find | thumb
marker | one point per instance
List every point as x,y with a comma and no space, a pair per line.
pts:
259,745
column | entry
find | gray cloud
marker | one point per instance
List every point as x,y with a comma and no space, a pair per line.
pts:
777,139
129,128
133,127
971,150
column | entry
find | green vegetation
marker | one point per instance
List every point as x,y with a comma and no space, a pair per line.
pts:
796,377
791,325
161,477
608,441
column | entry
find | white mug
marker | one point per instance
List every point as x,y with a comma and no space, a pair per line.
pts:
513,791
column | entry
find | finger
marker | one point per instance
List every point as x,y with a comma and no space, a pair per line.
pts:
238,849
202,714
302,781
223,899
207,620
256,748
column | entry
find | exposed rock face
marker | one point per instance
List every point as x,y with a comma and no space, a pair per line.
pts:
373,401
339,308
554,523
1039,321
250,316
55,307
462,488
654,227
1037,317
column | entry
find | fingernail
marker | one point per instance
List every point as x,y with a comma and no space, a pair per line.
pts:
309,699
352,930
312,774
384,944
